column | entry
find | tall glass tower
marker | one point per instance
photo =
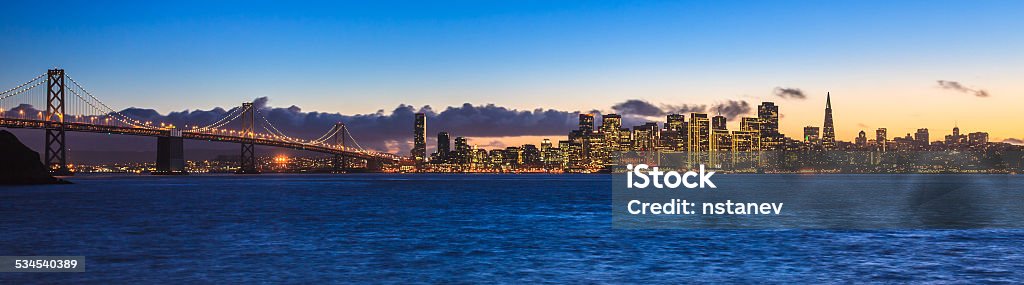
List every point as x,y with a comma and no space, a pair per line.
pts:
419,138
828,133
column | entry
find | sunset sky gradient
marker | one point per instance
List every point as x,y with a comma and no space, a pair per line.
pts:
882,61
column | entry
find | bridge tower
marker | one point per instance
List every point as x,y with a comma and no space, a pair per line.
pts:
55,156
247,164
170,154
339,162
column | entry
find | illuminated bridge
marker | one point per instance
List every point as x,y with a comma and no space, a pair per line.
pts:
71,108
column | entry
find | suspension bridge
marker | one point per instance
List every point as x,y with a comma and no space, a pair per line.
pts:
71,108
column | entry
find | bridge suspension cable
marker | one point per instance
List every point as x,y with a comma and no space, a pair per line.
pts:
35,98
228,118
20,86
267,125
354,141
12,94
327,135
123,118
273,130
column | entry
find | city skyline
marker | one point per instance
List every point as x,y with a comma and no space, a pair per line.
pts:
903,65
756,146
766,118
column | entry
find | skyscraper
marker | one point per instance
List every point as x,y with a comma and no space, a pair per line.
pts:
753,128
610,124
750,124
828,132
921,137
552,156
718,122
700,132
419,138
674,135
586,123
956,139
462,150
977,138
811,134
645,137
768,113
881,138
699,138
531,155
675,122
768,117
444,146
862,139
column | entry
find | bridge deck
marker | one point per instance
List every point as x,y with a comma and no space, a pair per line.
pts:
94,128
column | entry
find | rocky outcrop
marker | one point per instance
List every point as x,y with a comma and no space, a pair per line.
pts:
21,165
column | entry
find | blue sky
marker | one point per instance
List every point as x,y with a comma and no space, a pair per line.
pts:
358,57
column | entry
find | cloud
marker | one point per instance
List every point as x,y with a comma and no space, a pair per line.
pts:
635,107
1014,141
956,86
638,107
790,93
382,130
732,109
684,108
